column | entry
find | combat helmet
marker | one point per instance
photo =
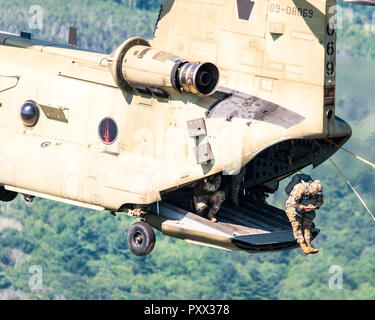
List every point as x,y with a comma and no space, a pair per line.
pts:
316,187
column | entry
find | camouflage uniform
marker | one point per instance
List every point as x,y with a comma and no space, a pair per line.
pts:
206,193
302,222
236,181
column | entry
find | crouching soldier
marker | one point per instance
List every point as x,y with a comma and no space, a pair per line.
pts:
205,193
303,200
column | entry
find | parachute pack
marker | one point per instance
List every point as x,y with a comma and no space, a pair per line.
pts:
295,180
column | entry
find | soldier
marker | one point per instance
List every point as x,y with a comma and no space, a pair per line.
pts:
303,200
206,192
236,181
231,184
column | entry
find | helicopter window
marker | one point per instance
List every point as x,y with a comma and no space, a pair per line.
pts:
107,130
30,113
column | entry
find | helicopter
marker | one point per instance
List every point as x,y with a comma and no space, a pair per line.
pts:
222,84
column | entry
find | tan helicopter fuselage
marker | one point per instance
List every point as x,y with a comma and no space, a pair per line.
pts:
284,56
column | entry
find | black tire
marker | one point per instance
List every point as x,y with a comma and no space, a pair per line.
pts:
6,195
141,238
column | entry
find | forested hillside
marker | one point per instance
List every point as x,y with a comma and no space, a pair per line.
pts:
102,25
83,253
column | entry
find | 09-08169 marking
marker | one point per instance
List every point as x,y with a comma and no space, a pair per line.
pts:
291,10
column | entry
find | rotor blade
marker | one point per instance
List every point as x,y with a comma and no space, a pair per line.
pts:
362,2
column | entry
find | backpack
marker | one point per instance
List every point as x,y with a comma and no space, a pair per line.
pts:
295,180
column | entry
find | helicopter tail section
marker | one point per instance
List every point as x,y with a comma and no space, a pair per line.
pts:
282,51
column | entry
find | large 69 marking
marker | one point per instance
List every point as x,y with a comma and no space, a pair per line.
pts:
330,50
331,43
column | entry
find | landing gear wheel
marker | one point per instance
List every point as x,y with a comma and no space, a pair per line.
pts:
140,238
6,195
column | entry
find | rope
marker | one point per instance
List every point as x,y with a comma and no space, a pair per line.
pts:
346,179
351,153
6,76
11,77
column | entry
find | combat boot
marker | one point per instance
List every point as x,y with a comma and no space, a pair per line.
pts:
311,249
211,216
304,248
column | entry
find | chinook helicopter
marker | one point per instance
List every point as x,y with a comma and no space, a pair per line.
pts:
221,85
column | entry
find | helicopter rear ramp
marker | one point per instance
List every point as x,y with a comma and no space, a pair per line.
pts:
253,226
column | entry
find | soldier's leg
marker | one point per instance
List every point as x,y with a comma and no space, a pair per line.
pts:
201,203
296,224
307,225
234,193
236,185
216,199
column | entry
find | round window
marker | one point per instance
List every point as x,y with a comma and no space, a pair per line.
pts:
30,113
108,130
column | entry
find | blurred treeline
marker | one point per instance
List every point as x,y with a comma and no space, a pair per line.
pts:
83,253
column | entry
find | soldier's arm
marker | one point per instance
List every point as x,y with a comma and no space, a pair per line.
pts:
214,185
295,198
319,201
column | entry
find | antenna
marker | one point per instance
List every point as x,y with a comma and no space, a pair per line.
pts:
72,36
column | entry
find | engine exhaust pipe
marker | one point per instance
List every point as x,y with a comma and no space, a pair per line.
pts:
135,64
199,78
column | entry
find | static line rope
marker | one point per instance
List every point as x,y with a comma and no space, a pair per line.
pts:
7,76
346,179
351,153
10,77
